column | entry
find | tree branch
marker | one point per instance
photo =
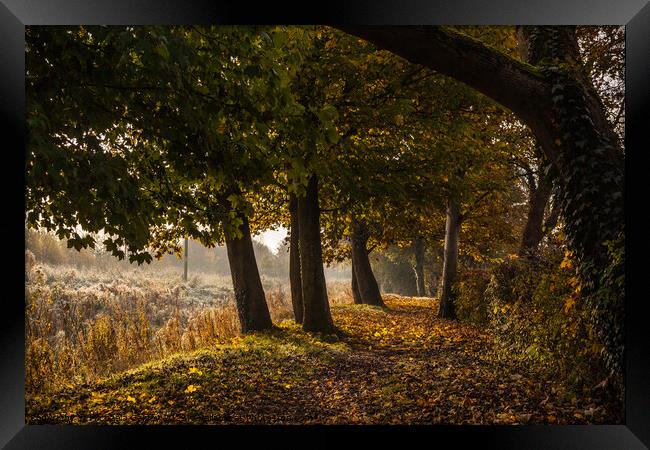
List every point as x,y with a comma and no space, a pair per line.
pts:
513,84
473,206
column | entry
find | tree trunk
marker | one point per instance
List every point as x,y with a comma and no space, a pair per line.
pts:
534,230
365,278
249,295
590,173
294,261
447,308
316,310
434,271
418,248
355,288
553,216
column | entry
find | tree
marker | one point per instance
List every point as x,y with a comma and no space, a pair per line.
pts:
366,284
295,278
540,190
368,155
553,95
184,121
418,268
447,308
316,312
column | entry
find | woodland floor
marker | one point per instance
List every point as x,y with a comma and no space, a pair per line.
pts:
398,365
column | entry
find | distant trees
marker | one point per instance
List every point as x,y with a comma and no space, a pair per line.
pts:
418,268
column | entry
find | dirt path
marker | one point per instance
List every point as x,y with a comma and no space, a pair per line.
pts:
398,365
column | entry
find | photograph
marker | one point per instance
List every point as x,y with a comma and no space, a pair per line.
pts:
325,225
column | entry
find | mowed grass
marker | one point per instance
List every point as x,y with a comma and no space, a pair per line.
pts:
393,365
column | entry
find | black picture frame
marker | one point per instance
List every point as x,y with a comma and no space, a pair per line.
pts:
15,14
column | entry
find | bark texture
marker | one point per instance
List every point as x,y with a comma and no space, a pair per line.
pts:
418,249
447,309
356,296
249,295
294,261
365,278
538,199
553,216
316,312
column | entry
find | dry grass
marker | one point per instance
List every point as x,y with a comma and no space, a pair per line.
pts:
85,324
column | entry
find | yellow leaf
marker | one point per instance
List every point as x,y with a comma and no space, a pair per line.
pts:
568,304
130,399
191,388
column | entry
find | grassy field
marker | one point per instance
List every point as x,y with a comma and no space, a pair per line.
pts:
82,324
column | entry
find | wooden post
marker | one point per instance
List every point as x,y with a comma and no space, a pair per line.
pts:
185,260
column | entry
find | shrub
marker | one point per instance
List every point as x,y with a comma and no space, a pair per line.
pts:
100,342
539,316
471,305
39,362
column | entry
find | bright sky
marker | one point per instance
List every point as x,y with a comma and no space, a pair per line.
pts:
272,238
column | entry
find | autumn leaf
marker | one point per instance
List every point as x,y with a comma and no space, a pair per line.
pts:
568,304
192,388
